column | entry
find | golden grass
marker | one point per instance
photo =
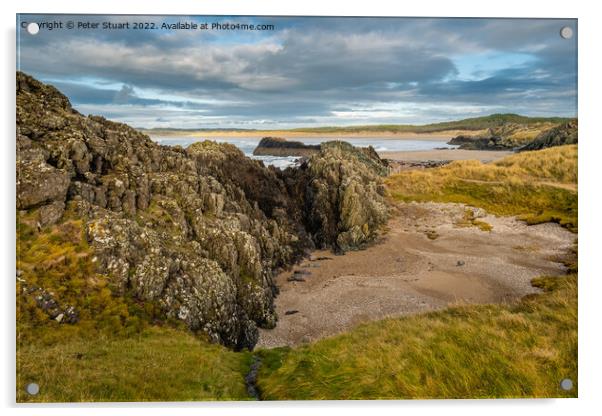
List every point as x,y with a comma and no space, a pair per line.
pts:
554,164
485,351
538,186
477,351
158,364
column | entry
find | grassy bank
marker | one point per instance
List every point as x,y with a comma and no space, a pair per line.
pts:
538,186
157,364
485,351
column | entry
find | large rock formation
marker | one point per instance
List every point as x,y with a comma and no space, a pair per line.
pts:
513,136
275,146
566,133
197,231
343,195
488,142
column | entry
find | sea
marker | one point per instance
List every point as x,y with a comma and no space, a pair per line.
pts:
248,144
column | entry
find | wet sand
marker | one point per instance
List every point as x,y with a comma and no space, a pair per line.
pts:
446,154
407,272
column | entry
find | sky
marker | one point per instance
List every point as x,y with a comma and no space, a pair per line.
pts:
306,71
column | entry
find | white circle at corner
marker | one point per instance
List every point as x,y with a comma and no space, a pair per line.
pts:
33,28
566,384
566,32
32,388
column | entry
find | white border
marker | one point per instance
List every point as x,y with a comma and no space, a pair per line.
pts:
590,290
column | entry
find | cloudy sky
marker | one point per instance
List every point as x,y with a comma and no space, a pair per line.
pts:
306,71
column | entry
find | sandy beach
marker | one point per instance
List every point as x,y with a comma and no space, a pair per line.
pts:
446,154
408,272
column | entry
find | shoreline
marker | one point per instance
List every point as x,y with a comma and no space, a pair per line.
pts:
442,135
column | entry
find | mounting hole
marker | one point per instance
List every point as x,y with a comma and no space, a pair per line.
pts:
32,388
566,384
566,32
33,28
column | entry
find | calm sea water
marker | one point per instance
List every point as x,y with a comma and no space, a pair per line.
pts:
248,144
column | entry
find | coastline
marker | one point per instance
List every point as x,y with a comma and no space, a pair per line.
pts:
442,135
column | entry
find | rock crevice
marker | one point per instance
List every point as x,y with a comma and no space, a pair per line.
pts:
200,230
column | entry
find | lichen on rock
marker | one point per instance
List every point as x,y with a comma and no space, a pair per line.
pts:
198,231
344,195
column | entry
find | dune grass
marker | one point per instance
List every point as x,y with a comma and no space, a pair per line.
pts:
157,364
538,186
485,351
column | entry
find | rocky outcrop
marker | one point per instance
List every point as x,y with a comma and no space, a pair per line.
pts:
342,193
397,166
479,142
198,232
275,146
566,133
514,136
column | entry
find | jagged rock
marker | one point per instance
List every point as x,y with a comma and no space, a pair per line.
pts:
517,136
343,195
38,182
197,231
46,301
564,134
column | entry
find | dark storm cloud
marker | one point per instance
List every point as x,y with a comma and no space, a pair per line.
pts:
311,70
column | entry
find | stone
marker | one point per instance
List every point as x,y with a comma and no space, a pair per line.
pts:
51,213
39,183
